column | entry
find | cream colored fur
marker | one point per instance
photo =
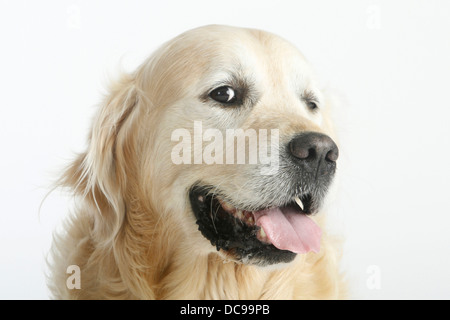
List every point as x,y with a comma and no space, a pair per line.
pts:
132,233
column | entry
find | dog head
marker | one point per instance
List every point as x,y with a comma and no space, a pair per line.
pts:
222,139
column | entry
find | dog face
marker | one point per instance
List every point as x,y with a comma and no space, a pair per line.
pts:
207,83
224,134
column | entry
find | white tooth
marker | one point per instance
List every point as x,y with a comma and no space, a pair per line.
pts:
299,202
262,233
239,214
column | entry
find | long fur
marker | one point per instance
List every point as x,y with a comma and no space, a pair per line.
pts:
130,246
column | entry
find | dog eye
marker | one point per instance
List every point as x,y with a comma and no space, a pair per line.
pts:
225,95
312,105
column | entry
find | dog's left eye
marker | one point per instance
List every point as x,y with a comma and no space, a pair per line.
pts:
312,105
225,95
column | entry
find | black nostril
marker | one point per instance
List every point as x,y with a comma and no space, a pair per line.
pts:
311,148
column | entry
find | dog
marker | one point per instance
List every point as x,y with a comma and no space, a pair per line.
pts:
158,216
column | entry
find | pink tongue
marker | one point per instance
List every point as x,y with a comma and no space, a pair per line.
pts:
289,229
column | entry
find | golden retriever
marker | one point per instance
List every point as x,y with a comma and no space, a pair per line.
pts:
173,199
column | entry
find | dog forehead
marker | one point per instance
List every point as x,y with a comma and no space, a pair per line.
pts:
230,46
222,51
198,59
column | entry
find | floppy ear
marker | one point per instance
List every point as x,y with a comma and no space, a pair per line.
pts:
99,175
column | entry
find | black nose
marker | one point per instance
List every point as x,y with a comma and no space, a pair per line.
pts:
315,152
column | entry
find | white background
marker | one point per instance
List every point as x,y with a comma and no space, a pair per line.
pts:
388,60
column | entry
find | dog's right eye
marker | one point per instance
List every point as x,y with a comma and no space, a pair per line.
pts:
224,95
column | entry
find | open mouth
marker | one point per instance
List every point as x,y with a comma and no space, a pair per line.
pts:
265,236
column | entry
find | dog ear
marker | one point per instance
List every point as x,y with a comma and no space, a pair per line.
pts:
99,175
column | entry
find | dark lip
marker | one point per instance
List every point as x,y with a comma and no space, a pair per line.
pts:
233,236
